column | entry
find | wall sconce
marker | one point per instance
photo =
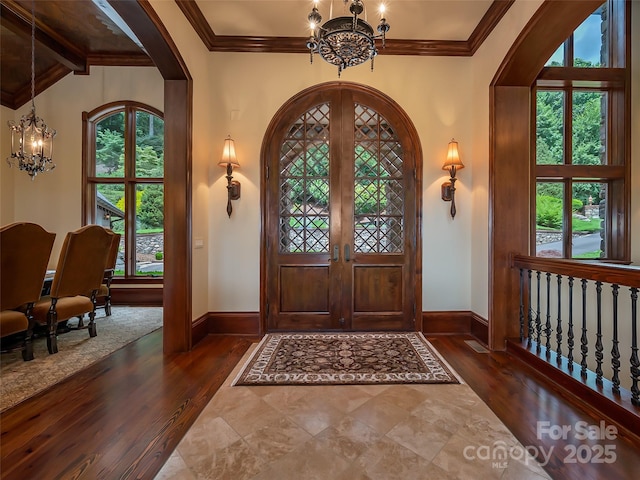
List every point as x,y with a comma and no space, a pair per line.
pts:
230,162
451,164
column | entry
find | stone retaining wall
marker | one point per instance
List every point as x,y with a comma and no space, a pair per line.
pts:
150,243
548,237
147,245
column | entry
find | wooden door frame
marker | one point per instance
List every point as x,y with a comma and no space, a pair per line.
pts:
264,162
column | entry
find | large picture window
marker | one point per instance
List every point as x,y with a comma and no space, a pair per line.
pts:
124,186
581,166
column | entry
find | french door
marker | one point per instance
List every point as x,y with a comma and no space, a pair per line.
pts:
340,244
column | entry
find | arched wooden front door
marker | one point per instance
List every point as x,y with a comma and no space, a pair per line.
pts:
341,211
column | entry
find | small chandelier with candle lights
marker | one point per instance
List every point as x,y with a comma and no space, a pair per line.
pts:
345,41
32,139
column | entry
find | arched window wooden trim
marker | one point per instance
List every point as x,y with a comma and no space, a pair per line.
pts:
130,181
509,154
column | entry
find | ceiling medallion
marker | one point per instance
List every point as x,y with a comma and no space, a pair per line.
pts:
345,41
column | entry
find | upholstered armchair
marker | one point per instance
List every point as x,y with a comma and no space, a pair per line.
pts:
25,249
79,270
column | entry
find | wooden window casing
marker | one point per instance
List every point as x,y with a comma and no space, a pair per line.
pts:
615,171
129,180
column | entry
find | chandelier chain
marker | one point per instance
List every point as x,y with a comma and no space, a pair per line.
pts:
31,138
33,54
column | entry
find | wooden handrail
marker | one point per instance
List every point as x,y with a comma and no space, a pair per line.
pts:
624,275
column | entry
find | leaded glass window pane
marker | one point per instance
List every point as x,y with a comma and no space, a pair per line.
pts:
378,192
304,184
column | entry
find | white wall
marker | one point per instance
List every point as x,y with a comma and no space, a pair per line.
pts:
6,174
435,93
205,148
444,97
54,199
486,62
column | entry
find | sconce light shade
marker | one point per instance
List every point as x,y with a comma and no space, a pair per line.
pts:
229,154
451,164
453,158
229,161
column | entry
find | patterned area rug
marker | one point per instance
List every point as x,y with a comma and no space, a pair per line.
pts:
344,359
20,380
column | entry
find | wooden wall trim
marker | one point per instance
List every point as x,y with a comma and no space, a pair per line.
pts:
234,323
138,297
248,323
480,328
509,183
457,322
491,18
199,328
446,322
178,213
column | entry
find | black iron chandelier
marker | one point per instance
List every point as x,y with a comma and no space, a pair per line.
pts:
32,139
345,41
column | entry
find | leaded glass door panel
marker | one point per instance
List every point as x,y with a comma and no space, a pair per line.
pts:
340,216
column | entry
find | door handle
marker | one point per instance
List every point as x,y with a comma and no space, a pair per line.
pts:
347,255
336,253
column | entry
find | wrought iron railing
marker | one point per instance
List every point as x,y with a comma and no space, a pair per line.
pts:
582,315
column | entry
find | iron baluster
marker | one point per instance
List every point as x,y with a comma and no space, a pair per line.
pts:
570,341
615,352
538,322
635,362
547,325
599,347
529,316
583,339
559,326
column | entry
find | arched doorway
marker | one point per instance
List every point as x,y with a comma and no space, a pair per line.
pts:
341,246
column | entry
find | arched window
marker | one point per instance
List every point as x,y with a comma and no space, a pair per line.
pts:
123,146
582,152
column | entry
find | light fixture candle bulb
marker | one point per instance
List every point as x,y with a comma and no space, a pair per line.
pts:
382,10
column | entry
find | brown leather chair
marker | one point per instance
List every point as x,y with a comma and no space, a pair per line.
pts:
80,270
25,249
105,287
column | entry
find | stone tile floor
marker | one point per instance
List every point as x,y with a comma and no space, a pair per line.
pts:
377,432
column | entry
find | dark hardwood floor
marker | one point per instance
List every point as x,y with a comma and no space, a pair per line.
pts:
122,417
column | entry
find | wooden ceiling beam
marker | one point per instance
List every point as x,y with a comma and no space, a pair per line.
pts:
18,19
